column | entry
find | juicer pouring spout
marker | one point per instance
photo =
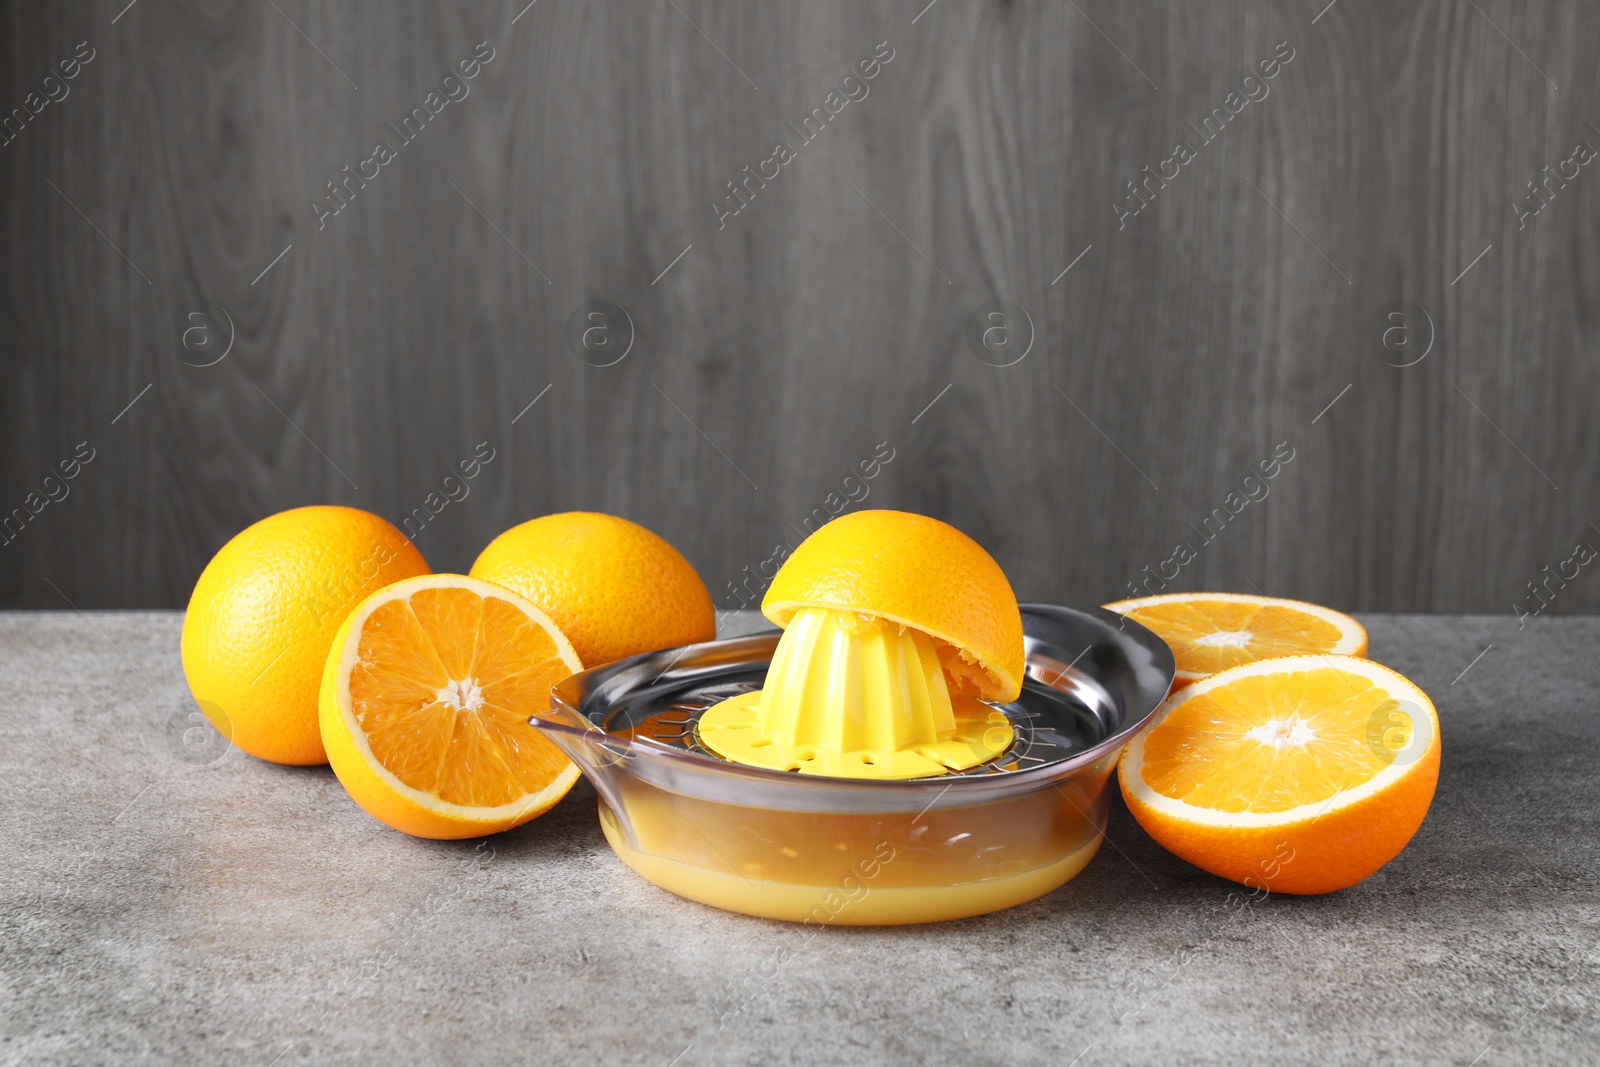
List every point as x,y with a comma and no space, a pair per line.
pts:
599,755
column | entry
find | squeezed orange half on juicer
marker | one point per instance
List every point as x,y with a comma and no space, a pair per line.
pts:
897,627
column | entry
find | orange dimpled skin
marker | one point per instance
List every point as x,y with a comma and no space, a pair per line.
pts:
614,588
918,572
263,613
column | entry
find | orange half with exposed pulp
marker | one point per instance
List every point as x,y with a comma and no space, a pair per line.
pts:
1302,774
1210,632
425,703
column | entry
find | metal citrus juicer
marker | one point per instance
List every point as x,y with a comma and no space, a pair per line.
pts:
843,773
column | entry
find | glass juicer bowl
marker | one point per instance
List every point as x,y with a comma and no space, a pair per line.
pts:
809,848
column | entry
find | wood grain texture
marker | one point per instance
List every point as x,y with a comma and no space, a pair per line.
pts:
792,339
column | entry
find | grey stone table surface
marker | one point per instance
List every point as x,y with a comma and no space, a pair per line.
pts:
163,905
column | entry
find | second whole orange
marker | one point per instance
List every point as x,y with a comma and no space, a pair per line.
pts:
613,587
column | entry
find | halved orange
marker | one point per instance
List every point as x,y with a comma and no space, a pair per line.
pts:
1210,632
1302,774
916,572
425,703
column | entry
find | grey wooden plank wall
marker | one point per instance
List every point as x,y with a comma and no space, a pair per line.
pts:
160,208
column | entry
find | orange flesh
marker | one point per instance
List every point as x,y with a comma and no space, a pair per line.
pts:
1273,631
442,689
1269,743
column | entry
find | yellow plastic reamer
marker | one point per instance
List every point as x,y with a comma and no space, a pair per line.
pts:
854,696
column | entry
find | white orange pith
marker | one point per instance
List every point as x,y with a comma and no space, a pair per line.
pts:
1211,632
1302,774
425,705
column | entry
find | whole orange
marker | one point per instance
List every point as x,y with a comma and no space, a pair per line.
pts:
613,587
263,616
